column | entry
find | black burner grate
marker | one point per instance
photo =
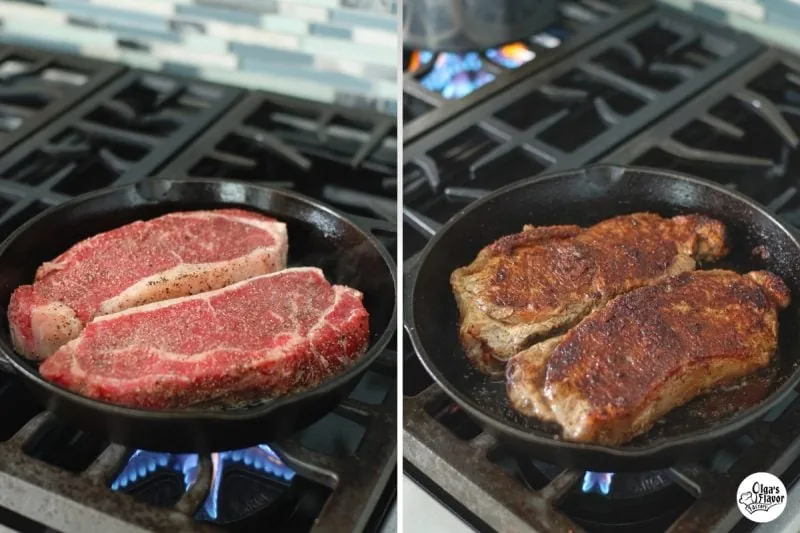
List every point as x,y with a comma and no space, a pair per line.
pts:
565,116
67,488
438,86
469,471
742,133
37,86
345,157
122,133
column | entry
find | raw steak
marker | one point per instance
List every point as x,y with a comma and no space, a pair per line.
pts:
265,336
174,255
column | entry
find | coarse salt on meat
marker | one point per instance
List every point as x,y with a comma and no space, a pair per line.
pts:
167,257
265,336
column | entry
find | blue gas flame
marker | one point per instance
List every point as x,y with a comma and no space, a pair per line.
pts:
261,458
455,75
597,481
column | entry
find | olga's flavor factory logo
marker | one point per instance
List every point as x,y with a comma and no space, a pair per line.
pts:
761,497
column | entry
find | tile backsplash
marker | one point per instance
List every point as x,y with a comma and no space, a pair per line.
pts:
776,21
341,51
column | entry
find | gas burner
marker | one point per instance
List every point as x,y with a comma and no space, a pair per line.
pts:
597,481
243,482
433,79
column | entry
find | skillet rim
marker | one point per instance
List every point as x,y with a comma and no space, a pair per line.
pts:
659,448
22,369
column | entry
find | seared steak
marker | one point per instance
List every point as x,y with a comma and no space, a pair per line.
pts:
261,337
167,257
532,285
649,351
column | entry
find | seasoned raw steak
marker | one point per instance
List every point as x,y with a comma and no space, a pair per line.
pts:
261,337
649,351
527,287
167,257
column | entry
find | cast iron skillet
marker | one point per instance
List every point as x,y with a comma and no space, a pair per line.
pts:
318,236
584,197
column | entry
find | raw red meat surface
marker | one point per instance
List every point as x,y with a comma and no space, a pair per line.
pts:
265,336
171,256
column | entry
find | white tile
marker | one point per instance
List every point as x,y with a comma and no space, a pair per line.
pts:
308,13
296,87
73,35
345,50
247,35
30,13
154,7
369,36
205,43
180,54
334,64
279,23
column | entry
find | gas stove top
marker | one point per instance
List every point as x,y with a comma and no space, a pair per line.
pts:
564,116
741,131
438,86
336,475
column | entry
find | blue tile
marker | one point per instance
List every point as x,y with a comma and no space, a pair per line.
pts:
262,7
711,13
128,19
180,69
352,18
272,55
784,14
227,15
337,79
326,30
127,32
37,42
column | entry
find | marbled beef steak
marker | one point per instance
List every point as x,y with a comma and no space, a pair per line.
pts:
533,285
623,367
265,336
171,256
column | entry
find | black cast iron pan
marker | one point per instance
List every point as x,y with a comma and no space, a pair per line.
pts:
584,197
318,236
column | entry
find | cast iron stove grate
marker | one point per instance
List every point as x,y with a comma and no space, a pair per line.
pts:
126,130
565,116
439,85
37,86
347,158
56,476
743,133
494,489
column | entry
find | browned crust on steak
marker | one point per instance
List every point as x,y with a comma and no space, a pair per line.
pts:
532,285
645,353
